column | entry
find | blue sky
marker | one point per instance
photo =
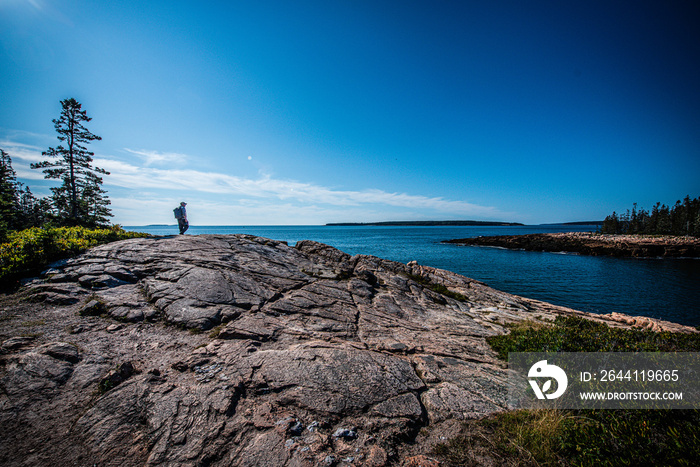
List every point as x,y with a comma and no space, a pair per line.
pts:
308,112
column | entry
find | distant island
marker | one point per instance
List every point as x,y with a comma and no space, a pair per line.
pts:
427,223
599,223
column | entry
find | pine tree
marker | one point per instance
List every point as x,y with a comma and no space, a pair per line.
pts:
93,202
8,194
611,224
32,211
664,227
654,220
74,165
687,217
681,219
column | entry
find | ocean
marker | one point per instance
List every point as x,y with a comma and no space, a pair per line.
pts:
665,288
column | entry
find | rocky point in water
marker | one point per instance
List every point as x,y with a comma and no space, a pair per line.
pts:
238,350
594,244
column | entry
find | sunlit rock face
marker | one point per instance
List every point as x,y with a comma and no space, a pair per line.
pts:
239,350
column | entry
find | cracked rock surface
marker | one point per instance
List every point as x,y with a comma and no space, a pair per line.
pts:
239,350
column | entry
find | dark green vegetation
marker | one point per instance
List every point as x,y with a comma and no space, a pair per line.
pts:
36,232
79,201
27,252
572,334
681,219
427,223
19,209
581,223
581,437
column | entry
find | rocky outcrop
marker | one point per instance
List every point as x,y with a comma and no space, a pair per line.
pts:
239,350
590,243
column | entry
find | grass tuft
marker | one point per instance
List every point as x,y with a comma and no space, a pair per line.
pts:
438,288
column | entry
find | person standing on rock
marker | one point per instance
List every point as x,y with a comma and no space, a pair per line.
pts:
181,216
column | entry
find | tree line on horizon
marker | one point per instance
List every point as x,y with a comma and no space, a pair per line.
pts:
79,201
683,218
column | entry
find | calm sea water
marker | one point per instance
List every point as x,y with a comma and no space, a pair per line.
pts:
660,288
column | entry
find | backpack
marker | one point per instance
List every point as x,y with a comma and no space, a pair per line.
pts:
178,213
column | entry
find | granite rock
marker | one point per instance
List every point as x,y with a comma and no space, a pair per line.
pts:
239,350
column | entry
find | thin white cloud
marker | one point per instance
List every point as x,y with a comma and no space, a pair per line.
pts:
157,158
22,155
22,151
156,210
50,11
25,154
253,195
266,187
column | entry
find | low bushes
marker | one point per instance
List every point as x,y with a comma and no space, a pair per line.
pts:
26,252
550,437
573,334
581,437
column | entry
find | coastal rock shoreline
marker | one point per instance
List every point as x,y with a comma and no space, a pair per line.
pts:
594,244
240,350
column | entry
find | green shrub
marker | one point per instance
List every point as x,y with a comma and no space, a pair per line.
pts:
631,437
26,252
549,437
574,334
518,437
582,437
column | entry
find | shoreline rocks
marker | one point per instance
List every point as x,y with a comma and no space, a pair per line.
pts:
239,350
594,244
